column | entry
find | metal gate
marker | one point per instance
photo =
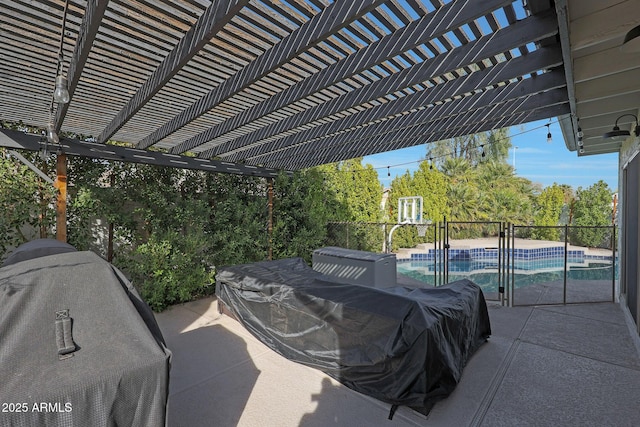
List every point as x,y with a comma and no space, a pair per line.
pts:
477,251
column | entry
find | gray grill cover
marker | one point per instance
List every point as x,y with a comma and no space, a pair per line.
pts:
400,345
103,362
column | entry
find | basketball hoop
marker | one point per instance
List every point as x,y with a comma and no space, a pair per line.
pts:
422,229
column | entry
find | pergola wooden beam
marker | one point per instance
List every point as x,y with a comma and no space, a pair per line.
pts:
508,100
526,31
318,28
84,43
217,15
19,140
546,58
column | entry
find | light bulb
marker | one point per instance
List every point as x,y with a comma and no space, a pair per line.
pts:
61,93
548,134
52,136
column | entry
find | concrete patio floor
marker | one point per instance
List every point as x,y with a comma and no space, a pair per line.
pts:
573,365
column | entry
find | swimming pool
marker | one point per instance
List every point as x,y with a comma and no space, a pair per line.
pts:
484,272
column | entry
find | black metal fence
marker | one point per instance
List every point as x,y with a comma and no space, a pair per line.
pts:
515,265
572,264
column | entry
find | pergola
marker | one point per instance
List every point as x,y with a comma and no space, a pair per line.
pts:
276,84
257,86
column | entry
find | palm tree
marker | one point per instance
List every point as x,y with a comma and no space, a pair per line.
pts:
457,169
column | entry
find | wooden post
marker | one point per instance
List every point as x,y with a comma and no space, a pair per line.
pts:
61,205
112,182
270,218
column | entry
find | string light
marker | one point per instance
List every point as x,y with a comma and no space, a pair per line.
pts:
61,92
432,158
549,138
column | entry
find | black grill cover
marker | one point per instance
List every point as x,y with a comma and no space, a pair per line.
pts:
78,347
37,248
400,345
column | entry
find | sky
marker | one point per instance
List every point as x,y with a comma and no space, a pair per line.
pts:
534,159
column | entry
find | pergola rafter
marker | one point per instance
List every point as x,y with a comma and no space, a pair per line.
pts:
398,120
471,53
428,27
547,57
508,100
401,140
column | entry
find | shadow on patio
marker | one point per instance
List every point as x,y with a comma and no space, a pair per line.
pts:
552,365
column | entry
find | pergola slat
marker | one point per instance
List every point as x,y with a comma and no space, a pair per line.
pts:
492,101
210,23
465,54
430,26
314,31
546,58
286,84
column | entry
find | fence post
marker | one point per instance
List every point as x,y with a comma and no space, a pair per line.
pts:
566,256
512,302
436,253
613,263
270,218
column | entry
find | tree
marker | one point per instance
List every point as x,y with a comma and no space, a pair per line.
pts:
566,217
507,198
26,200
357,195
592,207
462,191
457,170
491,145
302,208
357,187
548,208
431,185
480,184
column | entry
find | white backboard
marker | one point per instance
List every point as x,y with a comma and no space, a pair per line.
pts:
410,210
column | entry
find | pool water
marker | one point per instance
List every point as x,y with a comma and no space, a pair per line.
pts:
485,272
